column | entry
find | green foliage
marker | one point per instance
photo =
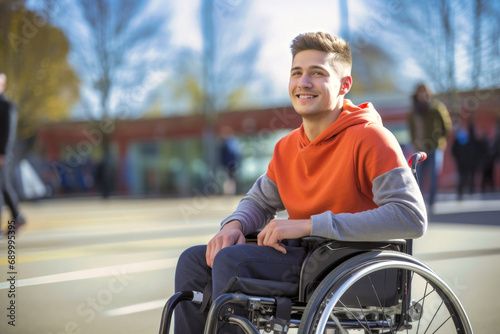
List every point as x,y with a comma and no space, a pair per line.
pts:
33,54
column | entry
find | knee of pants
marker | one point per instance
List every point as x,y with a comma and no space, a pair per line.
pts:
229,258
191,268
222,262
225,267
192,256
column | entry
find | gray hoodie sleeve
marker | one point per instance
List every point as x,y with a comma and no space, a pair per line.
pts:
401,213
258,207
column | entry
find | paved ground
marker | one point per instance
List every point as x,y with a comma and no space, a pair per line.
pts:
92,266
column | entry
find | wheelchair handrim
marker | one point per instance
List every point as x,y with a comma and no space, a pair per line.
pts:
392,264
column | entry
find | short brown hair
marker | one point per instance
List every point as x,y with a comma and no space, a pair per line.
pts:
325,42
423,87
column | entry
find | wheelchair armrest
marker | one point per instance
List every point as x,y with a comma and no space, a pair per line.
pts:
251,238
313,242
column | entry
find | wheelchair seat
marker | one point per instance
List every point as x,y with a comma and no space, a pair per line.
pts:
322,257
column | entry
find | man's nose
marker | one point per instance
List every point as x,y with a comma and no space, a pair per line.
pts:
304,82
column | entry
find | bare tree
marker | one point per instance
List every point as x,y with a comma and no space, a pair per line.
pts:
485,44
373,71
438,34
427,28
110,45
453,42
227,63
115,31
476,70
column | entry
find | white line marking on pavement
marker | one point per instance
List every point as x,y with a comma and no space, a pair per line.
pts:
118,270
136,308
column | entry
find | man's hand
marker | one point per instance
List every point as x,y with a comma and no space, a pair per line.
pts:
2,160
230,234
279,229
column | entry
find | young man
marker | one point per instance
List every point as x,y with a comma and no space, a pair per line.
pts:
430,125
341,175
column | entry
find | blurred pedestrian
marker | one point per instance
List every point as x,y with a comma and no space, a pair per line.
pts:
491,149
466,151
103,176
8,125
230,158
430,124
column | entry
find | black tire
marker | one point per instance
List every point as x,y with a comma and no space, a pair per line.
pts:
336,302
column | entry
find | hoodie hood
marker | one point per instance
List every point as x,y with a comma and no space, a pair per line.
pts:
351,115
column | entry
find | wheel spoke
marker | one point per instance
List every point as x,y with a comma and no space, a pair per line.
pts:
442,324
423,302
426,295
364,315
434,317
388,319
354,316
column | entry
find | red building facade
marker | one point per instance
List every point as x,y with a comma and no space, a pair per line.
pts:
150,152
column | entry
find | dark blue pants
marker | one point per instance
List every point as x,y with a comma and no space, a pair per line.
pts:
433,164
246,261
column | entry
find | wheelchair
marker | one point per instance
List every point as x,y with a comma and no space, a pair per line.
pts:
344,287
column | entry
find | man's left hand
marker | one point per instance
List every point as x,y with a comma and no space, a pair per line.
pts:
279,229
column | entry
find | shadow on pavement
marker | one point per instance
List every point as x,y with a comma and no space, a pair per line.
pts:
490,218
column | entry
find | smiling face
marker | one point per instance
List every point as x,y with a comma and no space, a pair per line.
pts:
316,88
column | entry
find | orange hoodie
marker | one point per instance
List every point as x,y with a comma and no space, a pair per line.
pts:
335,172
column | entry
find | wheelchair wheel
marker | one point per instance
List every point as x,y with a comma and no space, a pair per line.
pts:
384,292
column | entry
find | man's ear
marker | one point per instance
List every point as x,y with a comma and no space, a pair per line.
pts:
345,85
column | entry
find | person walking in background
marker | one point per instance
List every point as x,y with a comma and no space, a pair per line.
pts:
8,125
230,159
491,152
430,124
466,152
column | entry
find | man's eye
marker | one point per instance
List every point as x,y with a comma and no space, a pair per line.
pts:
294,74
317,73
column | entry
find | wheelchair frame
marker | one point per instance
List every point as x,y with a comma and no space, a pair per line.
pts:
335,277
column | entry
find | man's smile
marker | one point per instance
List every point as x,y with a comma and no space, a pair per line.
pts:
305,97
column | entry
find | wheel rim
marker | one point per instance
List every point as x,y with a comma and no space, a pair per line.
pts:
426,313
